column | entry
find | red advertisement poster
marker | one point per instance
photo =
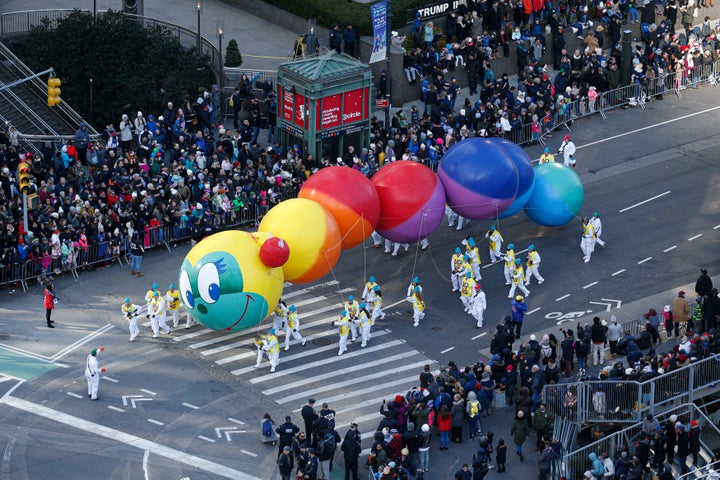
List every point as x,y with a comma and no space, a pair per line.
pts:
287,105
353,106
299,110
328,114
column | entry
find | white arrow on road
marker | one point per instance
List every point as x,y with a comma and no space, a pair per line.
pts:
227,431
132,399
608,302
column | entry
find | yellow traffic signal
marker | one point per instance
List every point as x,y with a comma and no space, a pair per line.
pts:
53,91
24,178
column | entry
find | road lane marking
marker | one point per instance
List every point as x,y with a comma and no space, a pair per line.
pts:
73,394
156,422
117,409
670,248
447,350
644,260
643,202
531,311
618,272
190,405
603,140
149,392
110,379
563,297
239,422
82,341
589,285
249,453
694,237
478,336
202,437
716,227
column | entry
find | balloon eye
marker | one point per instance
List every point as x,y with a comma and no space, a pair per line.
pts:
190,299
209,283
186,288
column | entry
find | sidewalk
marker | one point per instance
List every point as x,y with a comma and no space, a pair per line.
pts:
263,45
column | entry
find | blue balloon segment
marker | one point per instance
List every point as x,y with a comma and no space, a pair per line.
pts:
557,195
526,177
480,178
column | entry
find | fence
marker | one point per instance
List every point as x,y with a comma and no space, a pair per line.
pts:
622,401
576,462
110,250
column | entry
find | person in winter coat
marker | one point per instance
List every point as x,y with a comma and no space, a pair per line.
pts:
597,467
351,451
444,425
457,411
683,447
519,431
285,463
681,312
695,441
523,402
49,304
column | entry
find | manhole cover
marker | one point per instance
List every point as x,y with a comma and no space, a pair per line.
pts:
321,342
436,329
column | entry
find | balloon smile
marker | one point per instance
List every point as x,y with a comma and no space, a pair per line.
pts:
248,299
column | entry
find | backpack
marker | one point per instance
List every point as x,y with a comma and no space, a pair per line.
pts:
267,429
474,408
327,445
545,351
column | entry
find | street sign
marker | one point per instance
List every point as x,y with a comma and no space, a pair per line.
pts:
382,103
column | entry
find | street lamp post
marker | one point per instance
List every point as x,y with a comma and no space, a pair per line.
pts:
221,79
199,11
388,73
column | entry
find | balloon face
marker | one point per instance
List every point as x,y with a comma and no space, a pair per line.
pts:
557,195
312,234
526,176
225,286
350,197
480,178
412,201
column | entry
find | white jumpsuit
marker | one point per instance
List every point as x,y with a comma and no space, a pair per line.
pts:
495,244
343,325
587,243
518,281
418,308
92,374
479,305
280,317
597,225
532,267
364,323
474,255
131,312
260,345
172,297
292,328
352,309
509,266
456,271
157,316
272,347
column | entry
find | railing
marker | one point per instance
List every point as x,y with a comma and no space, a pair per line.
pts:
622,401
575,463
25,144
14,64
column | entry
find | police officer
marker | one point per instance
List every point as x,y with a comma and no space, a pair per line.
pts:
309,415
286,433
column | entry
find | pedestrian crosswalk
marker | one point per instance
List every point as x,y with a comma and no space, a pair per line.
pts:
353,384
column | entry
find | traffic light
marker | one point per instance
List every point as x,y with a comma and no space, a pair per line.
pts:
53,91
24,178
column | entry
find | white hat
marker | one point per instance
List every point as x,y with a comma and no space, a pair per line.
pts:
533,337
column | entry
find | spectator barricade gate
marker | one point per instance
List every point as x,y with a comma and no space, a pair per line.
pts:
574,463
623,401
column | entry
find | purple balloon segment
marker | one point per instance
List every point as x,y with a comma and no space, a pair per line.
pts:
423,222
471,204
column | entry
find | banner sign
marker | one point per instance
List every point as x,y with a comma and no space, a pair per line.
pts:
433,10
328,112
378,13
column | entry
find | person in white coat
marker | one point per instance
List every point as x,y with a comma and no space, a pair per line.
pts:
518,279
172,297
158,310
259,342
280,316
92,372
363,322
456,269
131,311
533,263
495,243
587,242
292,328
414,283
509,263
454,217
352,307
567,150
377,311
343,323
272,347
418,304
369,290
479,305
597,225
149,295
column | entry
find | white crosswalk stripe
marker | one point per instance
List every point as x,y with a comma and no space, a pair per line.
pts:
353,384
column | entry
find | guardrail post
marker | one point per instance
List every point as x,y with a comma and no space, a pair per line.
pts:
691,383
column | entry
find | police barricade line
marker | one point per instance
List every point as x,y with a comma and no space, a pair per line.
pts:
352,371
562,400
322,362
223,337
614,400
325,333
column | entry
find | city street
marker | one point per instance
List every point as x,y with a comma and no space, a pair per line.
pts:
189,404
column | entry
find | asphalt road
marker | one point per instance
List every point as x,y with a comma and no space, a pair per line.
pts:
188,405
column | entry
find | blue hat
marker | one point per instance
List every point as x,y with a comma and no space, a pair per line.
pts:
492,227
127,299
343,313
457,250
471,242
531,247
363,305
351,298
155,285
271,331
416,280
172,286
517,261
371,279
156,294
467,275
292,308
416,289
511,246
376,288
547,150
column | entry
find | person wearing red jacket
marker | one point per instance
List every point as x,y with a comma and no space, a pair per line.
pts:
444,424
49,303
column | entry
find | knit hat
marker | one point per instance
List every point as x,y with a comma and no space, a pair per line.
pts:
425,428
694,423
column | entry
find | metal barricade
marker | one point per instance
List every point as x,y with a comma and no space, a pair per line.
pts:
561,399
